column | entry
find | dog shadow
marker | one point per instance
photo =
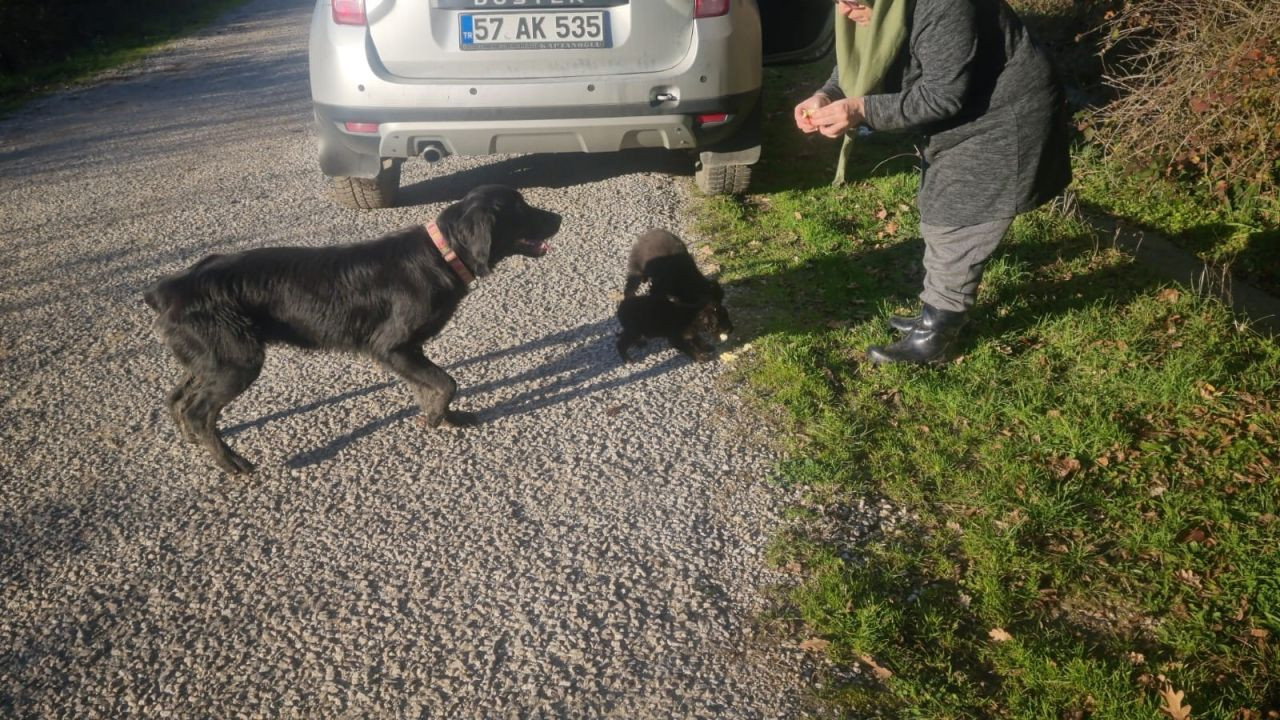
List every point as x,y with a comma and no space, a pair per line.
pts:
303,409
590,366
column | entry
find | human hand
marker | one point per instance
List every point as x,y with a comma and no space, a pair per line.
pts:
836,118
806,109
854,10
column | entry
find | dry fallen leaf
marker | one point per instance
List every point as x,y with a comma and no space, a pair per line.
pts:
1000,635
891,227
1189,577
1193,535
882,214
1173,706
1208,392
815,645
1066,466
881,673
1168,295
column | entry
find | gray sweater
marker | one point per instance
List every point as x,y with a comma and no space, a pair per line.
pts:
985,97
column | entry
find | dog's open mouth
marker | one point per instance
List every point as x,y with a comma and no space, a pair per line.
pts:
534,248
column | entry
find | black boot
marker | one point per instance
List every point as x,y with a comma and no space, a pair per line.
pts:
927,343
904,323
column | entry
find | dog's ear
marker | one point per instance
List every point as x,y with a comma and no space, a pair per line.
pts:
473,234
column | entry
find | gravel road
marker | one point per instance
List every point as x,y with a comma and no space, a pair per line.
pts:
594,549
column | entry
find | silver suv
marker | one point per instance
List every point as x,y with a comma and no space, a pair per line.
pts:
399,79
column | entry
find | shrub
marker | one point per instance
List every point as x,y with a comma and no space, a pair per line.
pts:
1199,93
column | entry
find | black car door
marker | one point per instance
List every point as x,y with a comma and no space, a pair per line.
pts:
796,31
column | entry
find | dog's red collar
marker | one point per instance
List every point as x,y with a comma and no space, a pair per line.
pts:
450,256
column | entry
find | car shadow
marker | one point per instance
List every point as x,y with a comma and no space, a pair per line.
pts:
551,170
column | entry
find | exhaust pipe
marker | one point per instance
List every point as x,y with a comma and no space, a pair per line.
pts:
433,152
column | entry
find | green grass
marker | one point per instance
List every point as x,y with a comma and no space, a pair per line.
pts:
1098,476
148,33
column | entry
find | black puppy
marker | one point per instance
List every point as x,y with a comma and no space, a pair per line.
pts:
662,259
383,298
682,304
652,316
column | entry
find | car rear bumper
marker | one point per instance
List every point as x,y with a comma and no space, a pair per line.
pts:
588,112
405,133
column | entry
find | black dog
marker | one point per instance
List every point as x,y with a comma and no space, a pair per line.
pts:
682,303
383,298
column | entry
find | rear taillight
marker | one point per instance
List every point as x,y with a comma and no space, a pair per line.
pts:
710,8
361,127
708,119
348,12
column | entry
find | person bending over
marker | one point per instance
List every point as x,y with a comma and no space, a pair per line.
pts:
967,76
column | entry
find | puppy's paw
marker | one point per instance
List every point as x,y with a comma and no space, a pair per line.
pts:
459,419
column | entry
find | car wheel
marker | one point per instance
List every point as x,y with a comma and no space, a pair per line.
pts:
723,179
369,193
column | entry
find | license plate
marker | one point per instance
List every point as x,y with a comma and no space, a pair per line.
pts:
535,30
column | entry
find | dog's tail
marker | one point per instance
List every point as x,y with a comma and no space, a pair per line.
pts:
159,296
166,292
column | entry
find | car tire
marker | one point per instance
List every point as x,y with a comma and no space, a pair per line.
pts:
369,193
723,179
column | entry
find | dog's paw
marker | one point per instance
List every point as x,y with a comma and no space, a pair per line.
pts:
184,429
232,463
459,419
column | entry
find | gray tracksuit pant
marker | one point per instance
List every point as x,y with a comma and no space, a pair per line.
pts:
954,258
